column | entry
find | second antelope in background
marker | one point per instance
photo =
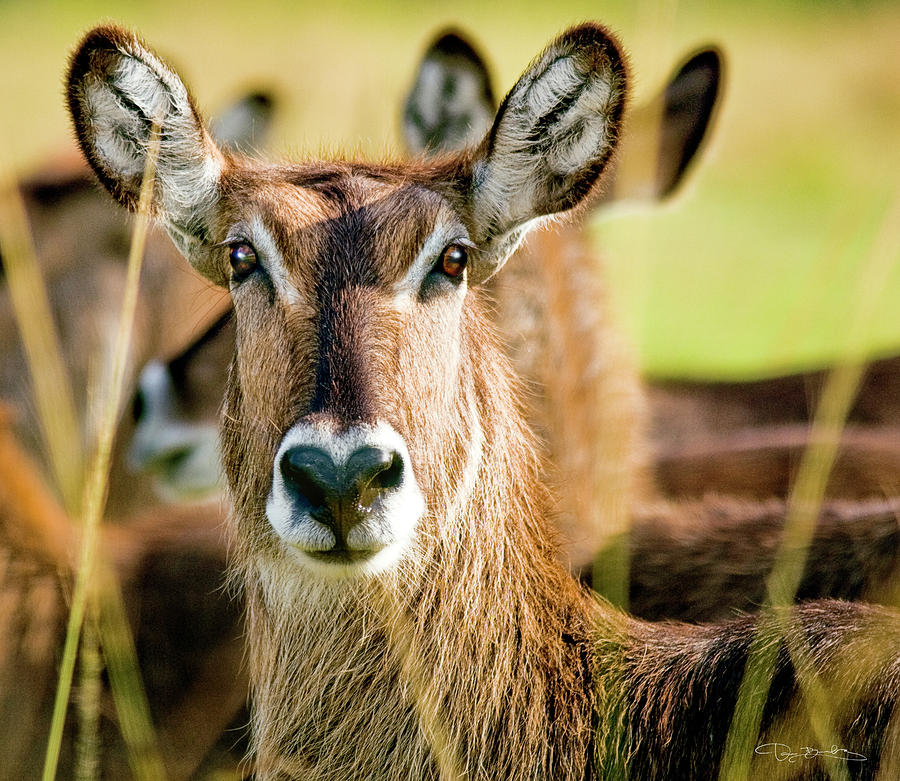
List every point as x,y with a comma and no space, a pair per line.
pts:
81,242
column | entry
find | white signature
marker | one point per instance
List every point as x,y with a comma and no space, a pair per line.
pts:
783,753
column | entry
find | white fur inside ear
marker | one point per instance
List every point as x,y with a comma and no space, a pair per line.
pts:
119,134
122,105
449,95
555,126
429,90
581,135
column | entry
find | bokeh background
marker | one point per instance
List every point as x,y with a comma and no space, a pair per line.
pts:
754,269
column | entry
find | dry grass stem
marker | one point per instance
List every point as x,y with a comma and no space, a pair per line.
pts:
94,496
129,697
50,381
803,509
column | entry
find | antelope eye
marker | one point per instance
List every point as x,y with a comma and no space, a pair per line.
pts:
453,260
243,260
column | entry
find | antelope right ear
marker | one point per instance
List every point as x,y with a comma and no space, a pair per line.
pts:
671,128
118,90
553,136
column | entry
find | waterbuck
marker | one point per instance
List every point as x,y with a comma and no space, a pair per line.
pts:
407,616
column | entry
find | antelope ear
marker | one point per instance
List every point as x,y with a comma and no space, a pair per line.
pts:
117,91
451,104
245,125
671,128
553,136
691,100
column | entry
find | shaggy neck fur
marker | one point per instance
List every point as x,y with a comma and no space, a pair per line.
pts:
471,660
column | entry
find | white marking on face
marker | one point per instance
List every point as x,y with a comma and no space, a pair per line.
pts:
474,457
271,258
407,289
386,529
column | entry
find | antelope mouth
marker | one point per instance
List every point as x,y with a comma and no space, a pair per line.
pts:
345,501
341,555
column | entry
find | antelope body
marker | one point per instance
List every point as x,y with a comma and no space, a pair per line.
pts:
81,246
407,615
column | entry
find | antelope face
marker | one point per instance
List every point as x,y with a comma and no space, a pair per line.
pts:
353,393
348,287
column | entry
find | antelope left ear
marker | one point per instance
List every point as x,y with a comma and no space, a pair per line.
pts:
118,90
553,136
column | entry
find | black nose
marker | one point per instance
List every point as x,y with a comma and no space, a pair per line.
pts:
339,495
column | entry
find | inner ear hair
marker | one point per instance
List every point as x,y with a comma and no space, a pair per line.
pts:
554,134
451,105
118,89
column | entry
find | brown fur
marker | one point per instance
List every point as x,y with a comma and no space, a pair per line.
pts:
747,437
586,399
477,653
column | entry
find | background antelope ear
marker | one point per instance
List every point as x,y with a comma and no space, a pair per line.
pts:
669,129
246,124
451,104
553,136
691,100
117,90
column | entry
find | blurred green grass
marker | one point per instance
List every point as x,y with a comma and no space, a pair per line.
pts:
749,272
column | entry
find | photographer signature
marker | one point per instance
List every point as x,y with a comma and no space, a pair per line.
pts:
783,753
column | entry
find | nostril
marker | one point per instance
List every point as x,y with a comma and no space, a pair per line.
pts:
335,494
392,475
374,470
310,474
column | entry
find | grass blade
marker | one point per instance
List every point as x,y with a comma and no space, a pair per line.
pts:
94,497
803,509
50,380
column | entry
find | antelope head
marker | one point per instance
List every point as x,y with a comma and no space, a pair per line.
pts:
360,401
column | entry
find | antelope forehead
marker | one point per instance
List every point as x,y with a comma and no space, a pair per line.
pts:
364,231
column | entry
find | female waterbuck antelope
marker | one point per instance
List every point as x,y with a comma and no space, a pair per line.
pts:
407,617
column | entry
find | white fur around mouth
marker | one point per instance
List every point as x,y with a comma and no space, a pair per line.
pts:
378,541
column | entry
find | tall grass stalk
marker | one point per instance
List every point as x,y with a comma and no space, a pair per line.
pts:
94,496
804,505
87,746
50,381
129,696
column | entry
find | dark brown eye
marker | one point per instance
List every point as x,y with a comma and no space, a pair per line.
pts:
453,260
243,260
